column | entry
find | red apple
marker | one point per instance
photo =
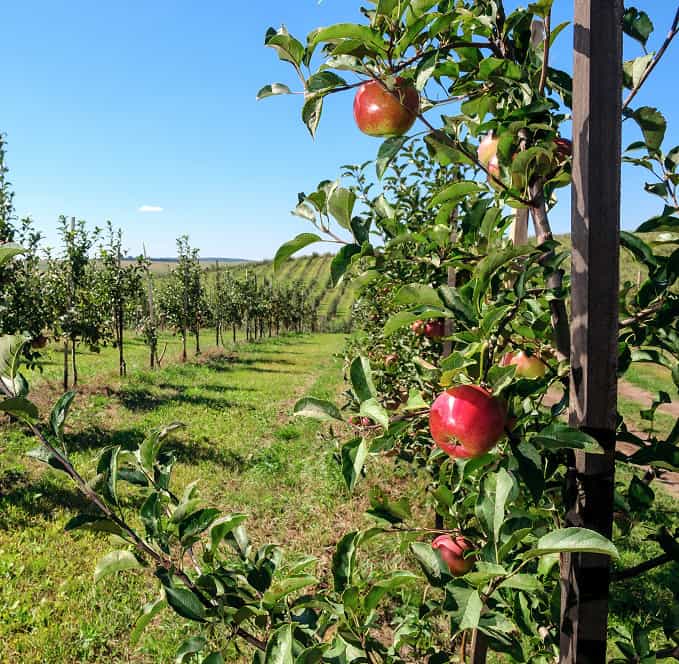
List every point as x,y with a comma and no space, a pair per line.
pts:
527,366
467,421
487,149
452,551
379,111
418,327
435,329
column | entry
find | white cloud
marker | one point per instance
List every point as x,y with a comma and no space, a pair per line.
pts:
150,208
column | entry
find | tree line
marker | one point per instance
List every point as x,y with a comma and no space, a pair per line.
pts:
85,292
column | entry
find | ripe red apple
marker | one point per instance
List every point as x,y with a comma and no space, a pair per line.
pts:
487,149
379,111
452,551
418,327
435,329
527,366
467,421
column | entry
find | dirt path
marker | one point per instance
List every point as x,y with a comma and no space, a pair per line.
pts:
634,393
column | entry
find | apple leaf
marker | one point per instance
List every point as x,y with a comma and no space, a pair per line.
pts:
560,436
387,153
293,246
317,409
572,540
341,205
354,455
361,379
272,90
115,561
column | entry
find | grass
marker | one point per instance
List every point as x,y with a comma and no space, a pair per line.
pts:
239,443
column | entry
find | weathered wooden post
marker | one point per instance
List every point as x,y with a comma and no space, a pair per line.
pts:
597,89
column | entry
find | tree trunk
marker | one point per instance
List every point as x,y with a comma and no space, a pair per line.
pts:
184,346
66,361
233,327
121,353
595,228
217,334
197,335
73,360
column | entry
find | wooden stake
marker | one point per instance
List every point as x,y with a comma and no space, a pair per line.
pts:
597,88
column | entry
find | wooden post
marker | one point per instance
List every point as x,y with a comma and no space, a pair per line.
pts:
597,89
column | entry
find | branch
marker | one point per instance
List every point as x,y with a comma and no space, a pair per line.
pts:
637,570
139,543
668,40
642,315
545,57
543,232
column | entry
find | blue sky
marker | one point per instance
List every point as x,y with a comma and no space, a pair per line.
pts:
108,107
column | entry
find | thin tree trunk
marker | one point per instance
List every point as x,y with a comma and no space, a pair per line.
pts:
233,327
197,334
66,361
184,346
121,341
75,366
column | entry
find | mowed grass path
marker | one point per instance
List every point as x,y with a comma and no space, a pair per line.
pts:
239,442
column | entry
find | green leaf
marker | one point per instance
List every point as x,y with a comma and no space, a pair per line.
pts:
387,153
324,80
272,90
222,527
108,467
472,612
431,563
375,411
572,540
185,603
361,33
312,111
362,383
491,264
214,658
417,294
148,613
633,70
455,192
292,246
637,25
21,408
286,587
317,409
341,262
8,251
11,347
94,523
560,436
395,581
279,647
288,48
189,648
59,414
341,205
116,561
354,455
196,523
503,487
640,495
344,557
652,124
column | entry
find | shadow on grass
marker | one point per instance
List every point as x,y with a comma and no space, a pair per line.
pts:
24,498
143,399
